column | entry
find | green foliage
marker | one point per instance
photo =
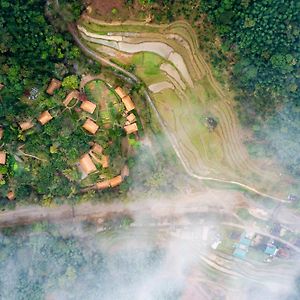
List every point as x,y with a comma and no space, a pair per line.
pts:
71,82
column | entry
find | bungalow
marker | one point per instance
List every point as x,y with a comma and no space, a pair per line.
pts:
45,117
271,250
88,106
2,158
103,185
26,125
131,128
1,132
97,149
72,95
129,105
131,118
116,181
87,164
10,195
54,85
120,92
90,126
105,161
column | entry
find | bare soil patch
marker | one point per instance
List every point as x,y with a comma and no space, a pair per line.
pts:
103,7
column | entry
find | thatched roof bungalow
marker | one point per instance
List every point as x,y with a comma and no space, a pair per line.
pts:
26,125
129,105
131,128
86,164
45,117
88,106
90,126
53,85
2,158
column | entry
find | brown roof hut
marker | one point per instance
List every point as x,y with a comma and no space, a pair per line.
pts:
1,86
2,158
1,132
90,126
120,92
129,105
97,149
88,106
105,161
53,85
131,128
72,95
116,181
10,195
103,185
26,125
131,118
87,164
125,171
45,117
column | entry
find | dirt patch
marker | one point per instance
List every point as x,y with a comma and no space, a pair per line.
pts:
103,7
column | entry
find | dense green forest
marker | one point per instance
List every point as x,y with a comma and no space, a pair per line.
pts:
260,50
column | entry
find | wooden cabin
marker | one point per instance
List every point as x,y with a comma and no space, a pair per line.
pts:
87,164
103,185
72,95
2,158
45,117
116,181
131,118
90,126
26,125
129,105
120,92
53,85
1,132
131,128
97,149
88,106
105,161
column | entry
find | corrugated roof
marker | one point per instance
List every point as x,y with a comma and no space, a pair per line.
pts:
53,85
90,126
88,106
129,105
45,117
131,128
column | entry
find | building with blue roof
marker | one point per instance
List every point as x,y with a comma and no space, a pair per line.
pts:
271,250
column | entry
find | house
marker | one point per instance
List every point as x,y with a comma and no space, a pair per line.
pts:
131,128
129,105
131,118
97,149
103,185
72,95
271,250
105,161
120,92
26,125
88,106
53,85
10,195
90,126
125,171
241,248
1,132
1,86
45,117
116,181
2,158
87,164
240,253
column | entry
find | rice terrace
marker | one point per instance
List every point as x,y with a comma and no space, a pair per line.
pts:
197,111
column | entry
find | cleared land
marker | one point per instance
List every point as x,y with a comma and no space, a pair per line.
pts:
196,96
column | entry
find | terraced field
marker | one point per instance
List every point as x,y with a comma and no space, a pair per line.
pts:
185,93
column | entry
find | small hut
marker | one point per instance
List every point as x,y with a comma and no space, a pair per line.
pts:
105,161
53,85
97,149
72,95
87,164
120,92
125,171
129,105
131,128
45,117
131,118
1,86
1,132
88,106
10,195
103,185
26,125
2,158
116,181
90,126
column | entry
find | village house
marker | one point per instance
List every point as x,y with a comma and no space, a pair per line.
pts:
129,105
131,128
2,158
103,185
120,92
10,195
86,164
90,126
72,95
116,181
1,132
88,106
26,125
105,161
97,149
54,85
1,86
45,117
131,118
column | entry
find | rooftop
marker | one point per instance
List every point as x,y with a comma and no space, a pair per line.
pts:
2,158
53,85
45,117
87,164
131,128
88,106
90,126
